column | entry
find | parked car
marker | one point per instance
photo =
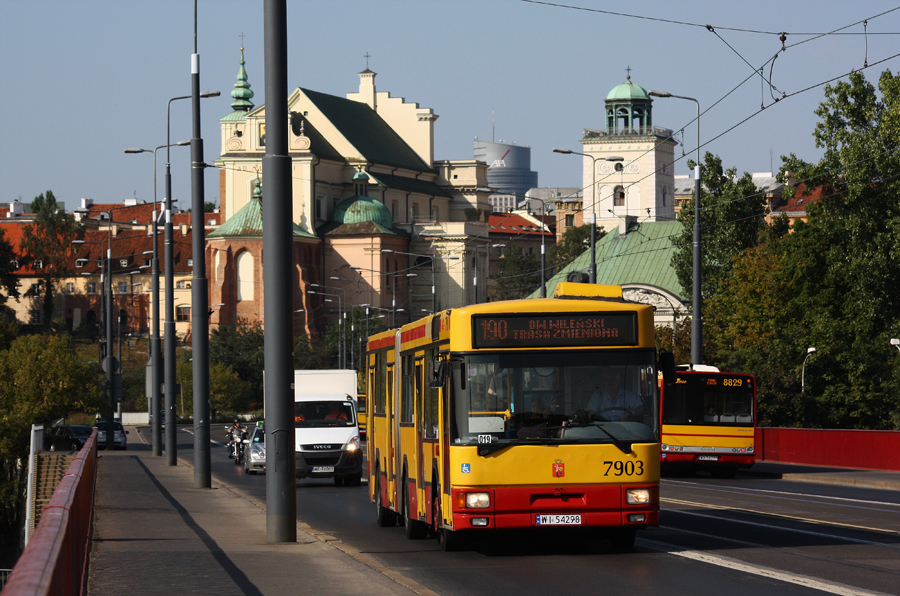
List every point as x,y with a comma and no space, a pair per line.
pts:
120,441
67,437
255,452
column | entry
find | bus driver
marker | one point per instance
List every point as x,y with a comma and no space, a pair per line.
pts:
613,401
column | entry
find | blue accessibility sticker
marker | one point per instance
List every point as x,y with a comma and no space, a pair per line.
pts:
466,468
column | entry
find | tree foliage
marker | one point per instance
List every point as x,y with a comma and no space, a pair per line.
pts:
516,275
730,221
48,240
572,243
9,281
41,380
242,347
831,283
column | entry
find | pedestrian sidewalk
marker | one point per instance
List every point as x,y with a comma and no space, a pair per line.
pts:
880,479
154,533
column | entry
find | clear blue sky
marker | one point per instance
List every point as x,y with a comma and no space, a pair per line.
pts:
85,80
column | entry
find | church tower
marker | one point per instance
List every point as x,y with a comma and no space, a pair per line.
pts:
629,172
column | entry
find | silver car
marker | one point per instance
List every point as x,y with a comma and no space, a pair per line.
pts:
255,451
120,441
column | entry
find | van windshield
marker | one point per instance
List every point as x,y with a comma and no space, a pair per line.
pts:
320,414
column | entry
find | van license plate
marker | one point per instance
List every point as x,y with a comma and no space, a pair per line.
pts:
322,469
708,457
557,520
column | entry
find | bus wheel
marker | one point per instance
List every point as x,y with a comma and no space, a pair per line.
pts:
447,539
413,527
623,539
385,518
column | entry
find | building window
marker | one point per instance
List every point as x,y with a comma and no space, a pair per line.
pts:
570,220
182,314
181,285
190,262
147,262
619,197
91,287
38,264
245,277
123,262
79,263
70,288
34,317
123,287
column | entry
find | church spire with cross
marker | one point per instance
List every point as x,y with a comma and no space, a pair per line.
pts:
242,93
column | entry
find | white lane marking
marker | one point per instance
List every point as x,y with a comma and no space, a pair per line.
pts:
809,498
792,578
769,526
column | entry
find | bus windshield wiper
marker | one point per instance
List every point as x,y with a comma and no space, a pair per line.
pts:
487,449
624,446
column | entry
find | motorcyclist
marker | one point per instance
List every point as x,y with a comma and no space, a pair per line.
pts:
235,434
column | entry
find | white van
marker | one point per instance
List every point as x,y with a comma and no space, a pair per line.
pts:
327,438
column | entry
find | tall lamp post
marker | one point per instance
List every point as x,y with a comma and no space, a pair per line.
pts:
475,278
156,423
169,327
341,360
592,271
697,298
543,249
431,258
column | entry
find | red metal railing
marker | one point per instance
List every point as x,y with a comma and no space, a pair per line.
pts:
863,449
55,560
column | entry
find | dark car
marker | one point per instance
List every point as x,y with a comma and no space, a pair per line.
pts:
67,437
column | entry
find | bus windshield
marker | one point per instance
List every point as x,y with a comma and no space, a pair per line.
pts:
709,399
581,397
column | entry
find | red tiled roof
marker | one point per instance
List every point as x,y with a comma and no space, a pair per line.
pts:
510,223
798,203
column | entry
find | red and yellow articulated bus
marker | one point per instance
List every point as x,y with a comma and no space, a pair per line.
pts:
521,414
708,421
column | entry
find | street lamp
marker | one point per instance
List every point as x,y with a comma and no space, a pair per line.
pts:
156,423
895,342
696,318
809,352
431,258
341,359
169,333
475,279
592,271
543,250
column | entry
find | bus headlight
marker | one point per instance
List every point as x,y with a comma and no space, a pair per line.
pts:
478,500
664,447
353,445
637,496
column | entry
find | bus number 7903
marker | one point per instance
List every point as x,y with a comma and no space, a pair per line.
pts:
628,468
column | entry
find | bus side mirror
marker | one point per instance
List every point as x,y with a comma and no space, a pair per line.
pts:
667,366
437,373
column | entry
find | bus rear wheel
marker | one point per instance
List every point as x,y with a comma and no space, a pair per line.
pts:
415,529
385,518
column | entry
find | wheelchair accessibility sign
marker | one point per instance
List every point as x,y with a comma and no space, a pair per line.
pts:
466,468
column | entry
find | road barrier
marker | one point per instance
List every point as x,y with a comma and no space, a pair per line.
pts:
56,558
863,449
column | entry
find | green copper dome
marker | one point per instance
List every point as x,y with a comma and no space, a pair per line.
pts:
627,90
361,210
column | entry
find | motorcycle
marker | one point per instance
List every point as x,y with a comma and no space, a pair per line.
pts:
236,438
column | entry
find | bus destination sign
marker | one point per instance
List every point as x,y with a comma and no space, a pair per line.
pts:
541,330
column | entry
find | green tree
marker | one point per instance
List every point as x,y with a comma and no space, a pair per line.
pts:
517,275
9,281
41,380
242,347
730,221
572,243
831,283
48,240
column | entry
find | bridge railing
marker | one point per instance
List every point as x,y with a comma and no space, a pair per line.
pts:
55,560
862,449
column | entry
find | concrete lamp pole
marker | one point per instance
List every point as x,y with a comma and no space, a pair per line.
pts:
697,301
592,271
155,352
